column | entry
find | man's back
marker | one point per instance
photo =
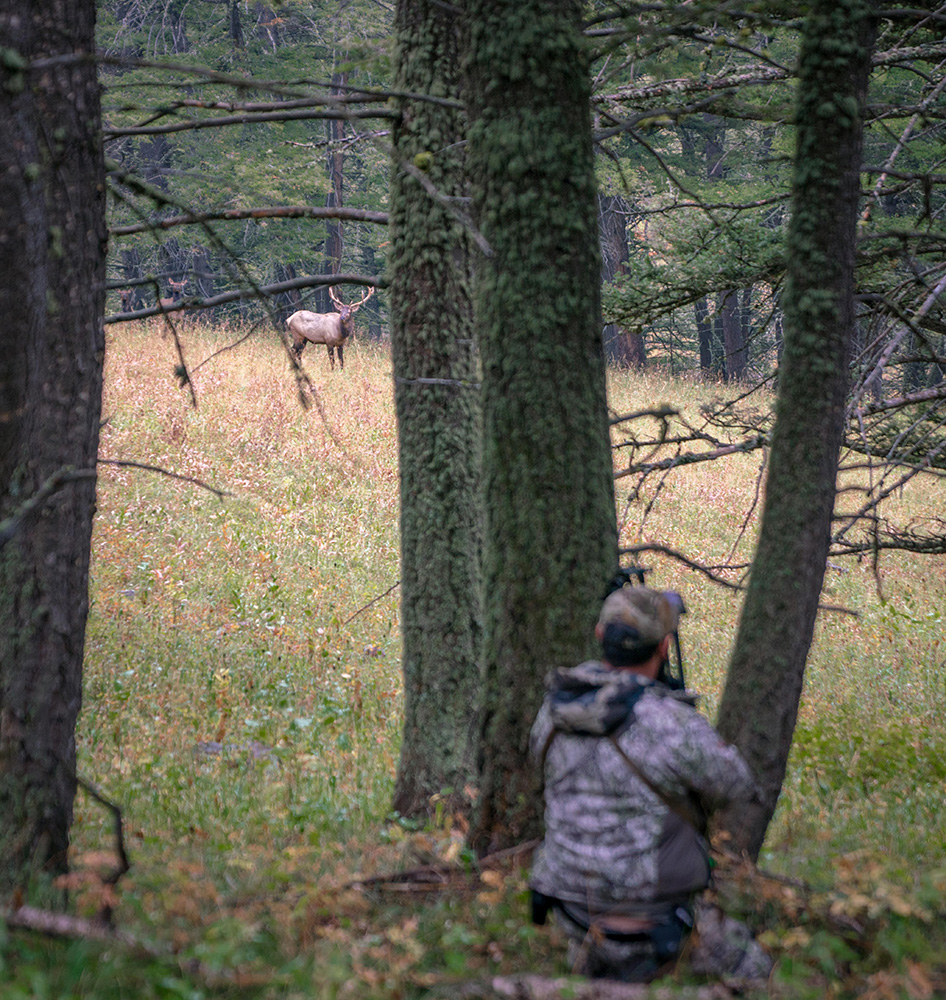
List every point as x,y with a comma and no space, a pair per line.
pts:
613,839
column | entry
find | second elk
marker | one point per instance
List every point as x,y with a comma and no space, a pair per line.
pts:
331,329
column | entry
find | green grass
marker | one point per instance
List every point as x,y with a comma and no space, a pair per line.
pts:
242,707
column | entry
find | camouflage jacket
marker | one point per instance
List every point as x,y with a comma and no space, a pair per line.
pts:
610,840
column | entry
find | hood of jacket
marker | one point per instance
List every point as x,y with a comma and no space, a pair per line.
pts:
593,699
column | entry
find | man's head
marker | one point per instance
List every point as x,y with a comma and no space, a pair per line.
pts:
635,626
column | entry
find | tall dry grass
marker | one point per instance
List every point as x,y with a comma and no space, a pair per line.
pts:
242,684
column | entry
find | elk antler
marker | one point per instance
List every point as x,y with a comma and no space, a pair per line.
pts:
342,305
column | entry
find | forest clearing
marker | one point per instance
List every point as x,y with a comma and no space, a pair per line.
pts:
242,708
656,282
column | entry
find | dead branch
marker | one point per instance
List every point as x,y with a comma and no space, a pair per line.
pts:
691,85
258,291
374,600
923,396
123,863
442,876
56,482
265,212
691,458
66,926
534,987
660,413
223,121
707,571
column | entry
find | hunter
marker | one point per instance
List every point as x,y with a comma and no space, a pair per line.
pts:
632,771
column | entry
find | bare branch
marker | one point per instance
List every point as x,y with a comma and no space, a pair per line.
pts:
66,926
266,212
707,571
255,292
222,121
692,85
165,472
661,413
374,600
450,204
56,482
691,458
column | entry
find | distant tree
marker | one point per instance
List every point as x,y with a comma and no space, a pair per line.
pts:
52,273
760,701
622,347
550,531
437,401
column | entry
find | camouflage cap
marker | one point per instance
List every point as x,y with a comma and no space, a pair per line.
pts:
653,614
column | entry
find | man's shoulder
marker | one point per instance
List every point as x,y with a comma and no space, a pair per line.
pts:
661,700
673,718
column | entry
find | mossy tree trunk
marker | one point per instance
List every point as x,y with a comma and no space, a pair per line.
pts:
760,702
437,402
52,296
550,532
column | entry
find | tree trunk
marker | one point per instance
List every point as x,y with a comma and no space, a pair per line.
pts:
267,25
334,243
730,321
179,42
547,478
52,298
727,347
236,25
745,325
622,347
132,271
760,702
712,345
438,422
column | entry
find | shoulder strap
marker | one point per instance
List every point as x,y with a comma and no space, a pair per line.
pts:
688,815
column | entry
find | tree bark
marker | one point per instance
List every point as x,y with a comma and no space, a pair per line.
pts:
730,320
727,345
335,164
547,478
236,25
438,421
712,352
52,297
760,701
622,347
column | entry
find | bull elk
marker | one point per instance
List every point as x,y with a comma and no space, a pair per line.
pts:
331,329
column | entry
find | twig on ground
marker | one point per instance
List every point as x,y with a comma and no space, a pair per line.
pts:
445,875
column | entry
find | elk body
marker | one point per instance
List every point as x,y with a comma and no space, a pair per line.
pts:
331,329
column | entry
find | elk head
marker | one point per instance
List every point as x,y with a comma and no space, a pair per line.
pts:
346,312
177,292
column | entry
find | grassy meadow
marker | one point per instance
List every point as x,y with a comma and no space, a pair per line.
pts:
242,707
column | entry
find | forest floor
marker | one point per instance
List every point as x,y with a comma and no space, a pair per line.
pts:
242,709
